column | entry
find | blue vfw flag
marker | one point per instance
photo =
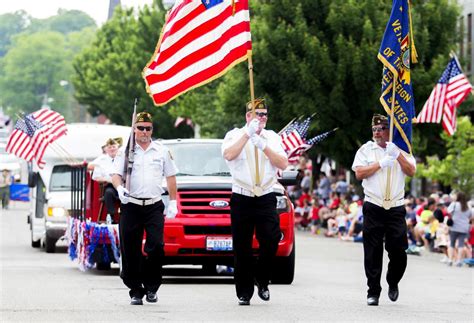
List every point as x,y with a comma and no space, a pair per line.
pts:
396,52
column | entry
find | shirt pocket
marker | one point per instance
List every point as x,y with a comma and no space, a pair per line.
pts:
157,166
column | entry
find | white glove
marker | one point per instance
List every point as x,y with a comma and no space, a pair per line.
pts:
172,209
252,127
123,194
258,142
392,150
387,161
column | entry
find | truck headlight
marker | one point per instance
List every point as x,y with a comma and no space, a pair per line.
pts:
283,205
56,211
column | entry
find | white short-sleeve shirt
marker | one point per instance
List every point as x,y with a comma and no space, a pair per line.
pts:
149,168
242,167
375,185
103,166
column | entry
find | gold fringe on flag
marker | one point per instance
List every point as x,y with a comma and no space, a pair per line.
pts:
414,54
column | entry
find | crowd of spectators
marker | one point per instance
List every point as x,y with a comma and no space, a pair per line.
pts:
327,204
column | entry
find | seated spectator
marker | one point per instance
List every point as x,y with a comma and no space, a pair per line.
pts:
423,223
430,233
302,212
101,174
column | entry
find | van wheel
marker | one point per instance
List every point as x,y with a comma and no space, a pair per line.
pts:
35,244
50,244
284,270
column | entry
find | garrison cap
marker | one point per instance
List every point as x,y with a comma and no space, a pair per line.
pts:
259,104
379,119
114,141
143,117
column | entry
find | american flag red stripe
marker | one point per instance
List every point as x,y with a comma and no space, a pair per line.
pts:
291,141
197,45
452,88
34,133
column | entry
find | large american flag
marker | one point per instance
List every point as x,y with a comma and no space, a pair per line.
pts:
452,88
32,135
200,41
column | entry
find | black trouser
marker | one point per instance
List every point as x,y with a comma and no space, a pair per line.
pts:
110,198
141,273
249,215
378,223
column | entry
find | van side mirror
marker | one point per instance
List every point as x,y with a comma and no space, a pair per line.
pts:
32,179
288,178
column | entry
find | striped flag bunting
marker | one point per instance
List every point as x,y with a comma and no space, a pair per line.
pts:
32,135
200,41
452,88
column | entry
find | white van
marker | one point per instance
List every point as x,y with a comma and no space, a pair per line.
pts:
50,191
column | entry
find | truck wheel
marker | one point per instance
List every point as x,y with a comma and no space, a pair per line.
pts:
35,244
50,244
284,270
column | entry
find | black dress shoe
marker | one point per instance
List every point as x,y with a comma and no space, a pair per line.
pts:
151,297
136,301
244,301
372,301
263,293
393,293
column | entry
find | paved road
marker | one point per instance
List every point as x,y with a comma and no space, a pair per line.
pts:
329,286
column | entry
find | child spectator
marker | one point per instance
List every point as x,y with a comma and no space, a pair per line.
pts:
315,219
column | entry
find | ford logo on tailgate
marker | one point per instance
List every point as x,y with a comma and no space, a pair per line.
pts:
219,204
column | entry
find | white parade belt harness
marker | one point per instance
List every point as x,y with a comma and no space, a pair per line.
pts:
143,202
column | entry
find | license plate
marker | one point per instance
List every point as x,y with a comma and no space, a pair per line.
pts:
219,243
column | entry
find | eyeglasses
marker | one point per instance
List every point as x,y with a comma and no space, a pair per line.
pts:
143,128
261,114
378,129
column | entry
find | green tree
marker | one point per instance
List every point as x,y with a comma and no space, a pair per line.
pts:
36,65
10,25
64,22
457,167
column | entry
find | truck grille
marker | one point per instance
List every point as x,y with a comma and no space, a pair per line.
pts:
198,202
200,229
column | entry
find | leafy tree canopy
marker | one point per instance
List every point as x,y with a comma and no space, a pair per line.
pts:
37,65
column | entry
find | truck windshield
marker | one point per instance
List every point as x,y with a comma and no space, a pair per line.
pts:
60,179
199,159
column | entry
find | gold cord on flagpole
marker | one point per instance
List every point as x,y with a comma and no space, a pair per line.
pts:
252,99
414,54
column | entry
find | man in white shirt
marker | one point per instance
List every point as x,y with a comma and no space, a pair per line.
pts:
102,168
253,203
383,208
142,210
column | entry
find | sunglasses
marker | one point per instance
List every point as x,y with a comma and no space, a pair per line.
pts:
143,128
378,129
261,114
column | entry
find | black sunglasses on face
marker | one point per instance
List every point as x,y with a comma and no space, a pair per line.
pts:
378,129
261,114
143,128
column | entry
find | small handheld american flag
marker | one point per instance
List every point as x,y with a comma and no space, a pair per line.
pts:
294,138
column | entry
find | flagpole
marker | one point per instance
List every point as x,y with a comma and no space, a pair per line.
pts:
252,99
387,197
